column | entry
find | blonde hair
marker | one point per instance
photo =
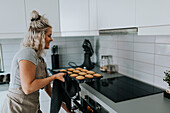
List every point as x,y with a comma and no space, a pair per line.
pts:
36,33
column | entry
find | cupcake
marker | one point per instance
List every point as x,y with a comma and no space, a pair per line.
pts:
97,75
90,72
82,73
74,75
80,77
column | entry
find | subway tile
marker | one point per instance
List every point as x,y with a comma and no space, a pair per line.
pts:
106,51
108,44
10,47
144,67
158,81
162,49
159,70
144,57
148,78
126,71
162,60
126,54
143,47
126,38
74,50
126,63
125,46
144,39
163,39
74,44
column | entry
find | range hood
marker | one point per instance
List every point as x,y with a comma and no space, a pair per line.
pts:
132,30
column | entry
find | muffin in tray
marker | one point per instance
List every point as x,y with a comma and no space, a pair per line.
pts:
74,75
82,73
97,75
80,77
84,70
71,69
69,72
89,76
90,72
76,71
78,68
62,70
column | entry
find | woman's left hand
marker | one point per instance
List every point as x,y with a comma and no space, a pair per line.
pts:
59,76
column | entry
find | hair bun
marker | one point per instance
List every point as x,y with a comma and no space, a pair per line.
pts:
35,16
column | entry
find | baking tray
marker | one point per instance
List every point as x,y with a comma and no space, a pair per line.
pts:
74,78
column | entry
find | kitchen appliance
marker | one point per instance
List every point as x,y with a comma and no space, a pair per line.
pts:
106,64
55,57
88,105
123,88
87,64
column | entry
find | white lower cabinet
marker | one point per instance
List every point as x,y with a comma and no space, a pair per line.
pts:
2,98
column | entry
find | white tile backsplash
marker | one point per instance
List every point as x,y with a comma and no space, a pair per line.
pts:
126,54
144,67
125,46
159,70
144,47
163,39
142,57
70,49
144,39
162,49
162,60
148,78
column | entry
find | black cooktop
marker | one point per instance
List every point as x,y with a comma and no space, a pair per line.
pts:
123,88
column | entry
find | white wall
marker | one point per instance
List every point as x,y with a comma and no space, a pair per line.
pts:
141,57
70,49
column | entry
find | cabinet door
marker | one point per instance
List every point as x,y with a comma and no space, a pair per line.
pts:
12,19
49,8
116,14
2,97
74,15
152,12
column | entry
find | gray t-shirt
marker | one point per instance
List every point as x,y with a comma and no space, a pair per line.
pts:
30,55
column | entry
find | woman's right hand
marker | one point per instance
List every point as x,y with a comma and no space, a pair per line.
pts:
59,76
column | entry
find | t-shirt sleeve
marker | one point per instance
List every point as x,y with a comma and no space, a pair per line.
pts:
28,54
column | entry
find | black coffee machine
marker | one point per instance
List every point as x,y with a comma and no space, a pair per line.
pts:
88,53
55,57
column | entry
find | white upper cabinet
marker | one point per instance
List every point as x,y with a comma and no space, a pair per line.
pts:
67,17
78,17
152,12
74,15
12,21
153,17
49,8
113,14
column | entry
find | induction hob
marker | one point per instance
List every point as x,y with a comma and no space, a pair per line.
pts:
123,88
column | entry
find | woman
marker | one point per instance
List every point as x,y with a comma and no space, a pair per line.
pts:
28,70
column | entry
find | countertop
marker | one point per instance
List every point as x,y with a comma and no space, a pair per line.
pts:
156,103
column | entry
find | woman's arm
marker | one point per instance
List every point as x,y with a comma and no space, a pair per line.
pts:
27,75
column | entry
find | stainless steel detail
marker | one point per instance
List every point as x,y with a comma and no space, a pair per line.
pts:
132,30
1,60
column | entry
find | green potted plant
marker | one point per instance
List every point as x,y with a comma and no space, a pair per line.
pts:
167,80
167,77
